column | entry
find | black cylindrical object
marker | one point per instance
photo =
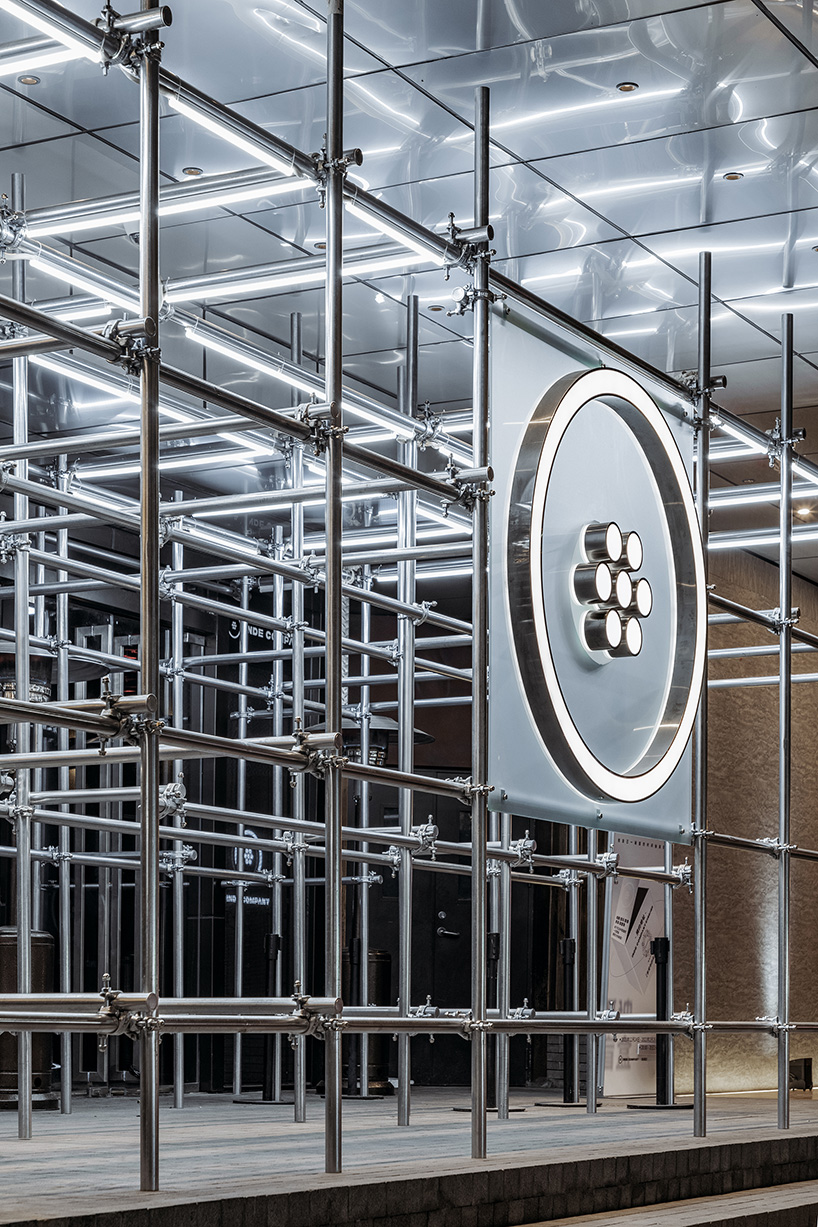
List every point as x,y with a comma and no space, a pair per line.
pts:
660,949
42,981
272,949
379,980
492,968
568,950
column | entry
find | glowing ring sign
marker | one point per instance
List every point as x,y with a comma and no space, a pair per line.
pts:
615,722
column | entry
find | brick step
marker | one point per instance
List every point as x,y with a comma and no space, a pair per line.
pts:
786,1205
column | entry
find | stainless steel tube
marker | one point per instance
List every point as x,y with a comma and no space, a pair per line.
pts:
784,718
503,968
178,879
407,513
64,836
22,631
333,349
592,974
479,711
700,734
149,624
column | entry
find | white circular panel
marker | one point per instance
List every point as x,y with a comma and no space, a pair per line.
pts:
598,451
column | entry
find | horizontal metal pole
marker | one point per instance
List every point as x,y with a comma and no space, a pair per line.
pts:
276,498
228,1007
103,440
98,1024
68,334
201,1024
13,711
738,683
75,1003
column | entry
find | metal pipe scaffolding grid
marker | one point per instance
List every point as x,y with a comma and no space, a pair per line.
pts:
151,739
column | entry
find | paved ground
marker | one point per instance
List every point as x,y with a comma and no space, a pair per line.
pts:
215,1147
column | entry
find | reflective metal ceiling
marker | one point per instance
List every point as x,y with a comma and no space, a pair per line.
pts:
601,199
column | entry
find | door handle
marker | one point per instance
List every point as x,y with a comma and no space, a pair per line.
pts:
446,933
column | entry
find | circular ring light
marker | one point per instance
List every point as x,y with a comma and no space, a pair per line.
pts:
637,694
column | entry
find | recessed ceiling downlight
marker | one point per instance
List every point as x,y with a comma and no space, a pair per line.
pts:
627,87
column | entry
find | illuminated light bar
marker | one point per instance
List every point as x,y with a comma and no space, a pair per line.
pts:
172,208
26,62
393,232
51,29
266,367
280,280
634,553
631,644
254,149
603,542
81,282
593,583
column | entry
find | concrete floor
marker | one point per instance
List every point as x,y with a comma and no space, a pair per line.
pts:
215,1148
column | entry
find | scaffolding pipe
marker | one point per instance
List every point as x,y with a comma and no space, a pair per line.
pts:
479,710
785,458
700,733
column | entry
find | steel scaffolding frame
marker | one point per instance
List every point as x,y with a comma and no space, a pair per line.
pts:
320,424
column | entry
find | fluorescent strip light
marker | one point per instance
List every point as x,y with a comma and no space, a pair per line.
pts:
197,202
53,31
82,313
735,433
799,469
396,431
392,232
27,63
443,573
274,281
227,134
258,364
70,277
189,462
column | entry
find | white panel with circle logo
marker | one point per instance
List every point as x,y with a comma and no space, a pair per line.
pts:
597,597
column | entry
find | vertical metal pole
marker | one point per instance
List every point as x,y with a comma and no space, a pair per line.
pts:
333,366
668,901
299,798
784,720
503,923
273,1043
64,834
591,973
178,879
149,625
407,516
366,664
571,1047
479,719
241,799
22,690
700,735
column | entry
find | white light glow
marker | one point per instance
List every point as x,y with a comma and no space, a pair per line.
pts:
79,50
188,462
274,281
83,313
80,282
196,203
392,232
441,573
27,63
227,134
535,117
258,364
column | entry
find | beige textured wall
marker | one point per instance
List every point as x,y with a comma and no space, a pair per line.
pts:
742,885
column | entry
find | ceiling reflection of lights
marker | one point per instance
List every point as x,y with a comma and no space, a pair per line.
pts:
258,364
132,468
254,149
537,117
172,208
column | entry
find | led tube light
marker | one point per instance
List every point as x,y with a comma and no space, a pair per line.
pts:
383,227
79,50
258,364
70,277
172,208
43,59
227,134
280,280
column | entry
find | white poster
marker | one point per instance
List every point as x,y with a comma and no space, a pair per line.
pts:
636,918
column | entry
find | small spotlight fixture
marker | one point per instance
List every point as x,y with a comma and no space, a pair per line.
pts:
436,306
804,512
193,171
29,79
627,87
320,246
733,175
